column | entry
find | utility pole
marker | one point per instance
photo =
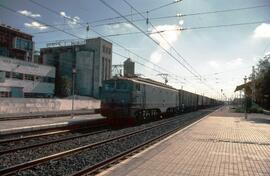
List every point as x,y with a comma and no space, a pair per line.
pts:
245,80
221,90
253,85
73,91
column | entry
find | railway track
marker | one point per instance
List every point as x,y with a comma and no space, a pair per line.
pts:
72,127
40,144
48,134
102,152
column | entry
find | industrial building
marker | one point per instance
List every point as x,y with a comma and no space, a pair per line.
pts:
19,76
16,44
91,58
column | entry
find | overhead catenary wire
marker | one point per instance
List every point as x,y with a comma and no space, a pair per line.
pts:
48,25
161,17
163,37
14,11
178,15
164,17
29,17
183,15
116,11
55,12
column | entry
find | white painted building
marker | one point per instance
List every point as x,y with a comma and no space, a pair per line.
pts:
20,78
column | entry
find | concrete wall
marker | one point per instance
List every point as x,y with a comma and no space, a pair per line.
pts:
27,105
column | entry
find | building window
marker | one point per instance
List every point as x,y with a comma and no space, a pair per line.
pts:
110,51
17,75
103,68
48,80
138,87
108,69
36,95
38,78
29,77
7,74
23,44
4,94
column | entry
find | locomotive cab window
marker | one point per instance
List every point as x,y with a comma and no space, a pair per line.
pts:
109,86
121,85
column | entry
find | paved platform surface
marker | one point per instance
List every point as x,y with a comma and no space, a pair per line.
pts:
221,144
12,126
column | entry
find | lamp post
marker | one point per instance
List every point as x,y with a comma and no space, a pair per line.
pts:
245,80
221,90
73,91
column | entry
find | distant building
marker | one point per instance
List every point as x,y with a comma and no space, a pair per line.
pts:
16,44
129,68
19,76
25,79
91,58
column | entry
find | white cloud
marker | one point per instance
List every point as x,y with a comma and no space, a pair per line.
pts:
36,25
181,22
235,63
262,31
214,64
72,21
256,59
28,13
118,28
127,25
171,34
156,56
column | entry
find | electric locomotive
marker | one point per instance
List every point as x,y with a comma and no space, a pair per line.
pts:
129,100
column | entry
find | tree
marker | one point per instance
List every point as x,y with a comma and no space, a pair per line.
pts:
263,82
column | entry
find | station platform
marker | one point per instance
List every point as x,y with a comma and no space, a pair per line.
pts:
222,143
28,125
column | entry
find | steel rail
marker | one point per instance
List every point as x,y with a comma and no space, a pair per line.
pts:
33,136
32,163
94,168
47,133
49,142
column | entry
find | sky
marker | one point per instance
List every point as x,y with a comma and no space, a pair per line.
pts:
201,58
